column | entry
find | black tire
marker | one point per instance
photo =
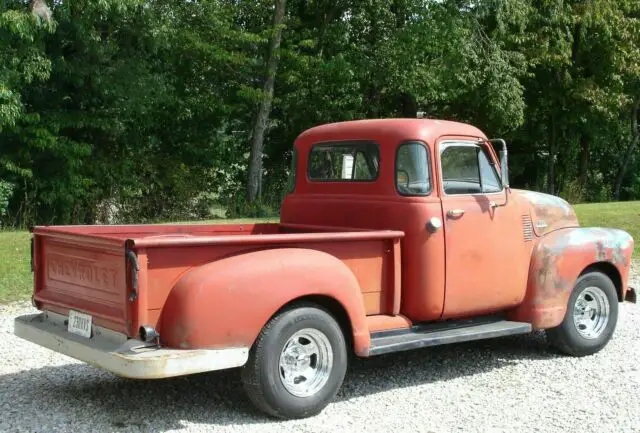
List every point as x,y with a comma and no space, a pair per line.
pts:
261,374
566,338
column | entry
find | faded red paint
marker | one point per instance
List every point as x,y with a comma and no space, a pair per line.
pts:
360,244
239,304
558,260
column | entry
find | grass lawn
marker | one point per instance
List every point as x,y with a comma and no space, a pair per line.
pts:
15,272
620,215
16,279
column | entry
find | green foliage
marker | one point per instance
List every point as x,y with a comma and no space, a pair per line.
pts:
240,207
573,192
6,191
132,111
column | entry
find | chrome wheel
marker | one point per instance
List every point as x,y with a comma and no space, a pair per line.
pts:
305,362
591,312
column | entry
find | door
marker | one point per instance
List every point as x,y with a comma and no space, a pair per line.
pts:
484,264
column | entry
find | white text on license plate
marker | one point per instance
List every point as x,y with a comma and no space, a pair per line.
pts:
79,323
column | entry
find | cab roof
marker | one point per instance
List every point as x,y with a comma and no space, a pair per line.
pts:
387,131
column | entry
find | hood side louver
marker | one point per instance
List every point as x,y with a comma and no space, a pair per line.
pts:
527,228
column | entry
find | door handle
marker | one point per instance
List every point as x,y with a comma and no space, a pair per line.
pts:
455,213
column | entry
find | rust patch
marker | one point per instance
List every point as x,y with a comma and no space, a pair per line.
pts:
548,267
619,257
548,278
601,252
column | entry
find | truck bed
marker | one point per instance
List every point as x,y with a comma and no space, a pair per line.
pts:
92,269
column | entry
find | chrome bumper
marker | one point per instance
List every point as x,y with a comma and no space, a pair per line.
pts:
117,353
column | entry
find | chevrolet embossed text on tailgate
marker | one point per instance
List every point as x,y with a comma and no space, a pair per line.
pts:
80,271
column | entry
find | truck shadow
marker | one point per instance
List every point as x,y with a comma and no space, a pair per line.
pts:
97,401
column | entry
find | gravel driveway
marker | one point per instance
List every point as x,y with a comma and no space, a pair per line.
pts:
513,384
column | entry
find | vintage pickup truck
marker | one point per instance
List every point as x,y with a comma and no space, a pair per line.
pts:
395,234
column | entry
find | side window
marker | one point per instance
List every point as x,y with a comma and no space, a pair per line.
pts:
490,180
412,169
466,170
460,170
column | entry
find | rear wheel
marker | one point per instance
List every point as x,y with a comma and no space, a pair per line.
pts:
297,363
591,317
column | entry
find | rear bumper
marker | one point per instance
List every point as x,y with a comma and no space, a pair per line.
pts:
125,357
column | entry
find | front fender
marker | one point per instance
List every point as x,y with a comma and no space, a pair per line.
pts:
556,263
227,302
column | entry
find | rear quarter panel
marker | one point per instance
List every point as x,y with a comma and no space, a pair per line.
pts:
226,303
557,261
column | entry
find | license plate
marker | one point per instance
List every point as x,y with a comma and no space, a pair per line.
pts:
79,323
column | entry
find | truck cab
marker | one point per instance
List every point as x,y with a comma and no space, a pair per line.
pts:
468,237
395,234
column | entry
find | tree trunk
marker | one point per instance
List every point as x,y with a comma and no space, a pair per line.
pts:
409,106
262,118
551,162
626,158
583,167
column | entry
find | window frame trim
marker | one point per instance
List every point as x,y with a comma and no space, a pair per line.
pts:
445,144
429,171
344,143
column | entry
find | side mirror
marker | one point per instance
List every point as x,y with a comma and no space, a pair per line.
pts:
504,171
504,167
504,162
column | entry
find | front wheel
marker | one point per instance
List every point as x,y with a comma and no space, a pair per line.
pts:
297,363
591,317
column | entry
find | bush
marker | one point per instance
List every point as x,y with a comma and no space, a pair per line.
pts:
573,192
6,191
633,192
598,190
241,208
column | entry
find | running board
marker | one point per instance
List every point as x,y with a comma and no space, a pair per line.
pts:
437,334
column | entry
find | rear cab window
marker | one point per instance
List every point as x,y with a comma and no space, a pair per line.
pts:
344,162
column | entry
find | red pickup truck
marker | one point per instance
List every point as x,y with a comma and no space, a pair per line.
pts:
395,234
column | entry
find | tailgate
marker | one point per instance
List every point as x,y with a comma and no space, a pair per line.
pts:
83,273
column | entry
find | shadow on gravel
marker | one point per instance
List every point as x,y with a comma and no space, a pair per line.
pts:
81,397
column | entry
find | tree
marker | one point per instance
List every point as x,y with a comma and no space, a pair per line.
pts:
627,155
264,109
130,111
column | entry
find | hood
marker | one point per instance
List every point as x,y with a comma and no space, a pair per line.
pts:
548,212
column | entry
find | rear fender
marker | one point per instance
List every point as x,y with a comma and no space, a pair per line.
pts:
226,303
556,263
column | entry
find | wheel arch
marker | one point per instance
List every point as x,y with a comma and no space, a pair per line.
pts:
332,306
610,271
